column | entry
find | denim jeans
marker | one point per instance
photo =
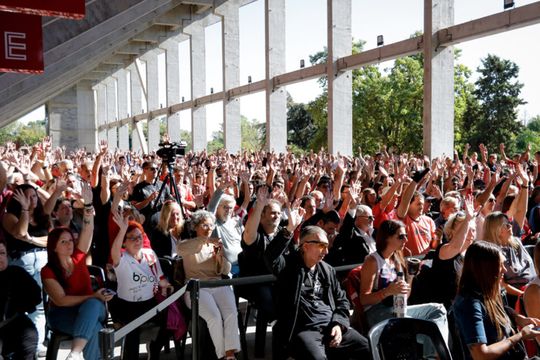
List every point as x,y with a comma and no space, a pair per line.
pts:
32,262
81,321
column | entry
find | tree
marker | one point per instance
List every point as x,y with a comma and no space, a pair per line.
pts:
388,105
24,134
251,136
497,92
300,126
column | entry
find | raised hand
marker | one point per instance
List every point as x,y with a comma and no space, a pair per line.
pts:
22,199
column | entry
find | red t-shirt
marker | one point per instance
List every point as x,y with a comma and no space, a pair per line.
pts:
381,216
420,233
79,282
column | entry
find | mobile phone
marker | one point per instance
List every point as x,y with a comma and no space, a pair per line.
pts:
108,292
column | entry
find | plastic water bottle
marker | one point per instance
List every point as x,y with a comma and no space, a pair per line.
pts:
400,300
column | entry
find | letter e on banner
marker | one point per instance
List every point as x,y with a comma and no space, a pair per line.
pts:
21,43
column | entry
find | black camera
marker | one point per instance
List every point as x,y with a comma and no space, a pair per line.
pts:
169,151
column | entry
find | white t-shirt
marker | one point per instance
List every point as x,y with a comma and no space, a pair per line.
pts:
137,281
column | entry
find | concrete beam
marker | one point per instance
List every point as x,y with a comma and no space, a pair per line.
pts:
339,82
133,48
438,106
154,35
230,37
152,83
175,18
120,59
122,101
276,98
173,86
493,24
198,84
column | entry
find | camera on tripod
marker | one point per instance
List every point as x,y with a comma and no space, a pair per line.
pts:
169,151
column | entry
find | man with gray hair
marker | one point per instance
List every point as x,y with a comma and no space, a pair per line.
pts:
229,226
308,288
355,240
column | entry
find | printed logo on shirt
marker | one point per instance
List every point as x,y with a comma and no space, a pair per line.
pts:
141,278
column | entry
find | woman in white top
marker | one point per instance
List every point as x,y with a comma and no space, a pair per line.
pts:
203,259
379,280
139,277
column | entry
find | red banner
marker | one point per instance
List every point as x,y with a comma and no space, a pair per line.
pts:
21,43
73,9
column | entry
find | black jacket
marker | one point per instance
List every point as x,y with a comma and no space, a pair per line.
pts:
350,246
290,271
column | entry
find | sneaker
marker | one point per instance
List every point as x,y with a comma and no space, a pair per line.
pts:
74,355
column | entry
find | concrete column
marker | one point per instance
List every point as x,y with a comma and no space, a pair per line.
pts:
173,85
339,84
137,142
121,88
152,86
438,81
86,119
101,109
198,84
62,111
112,132
276,98
230,33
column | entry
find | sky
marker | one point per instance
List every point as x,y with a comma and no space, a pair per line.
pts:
306,34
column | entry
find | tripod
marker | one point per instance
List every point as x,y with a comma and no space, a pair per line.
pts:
174,189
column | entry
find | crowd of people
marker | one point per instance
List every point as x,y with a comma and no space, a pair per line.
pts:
297,216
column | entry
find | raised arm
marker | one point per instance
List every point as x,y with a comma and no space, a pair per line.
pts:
116,247
459,238
250,232
85,238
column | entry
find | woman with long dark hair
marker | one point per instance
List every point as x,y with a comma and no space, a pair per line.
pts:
26,226
74,307
483,321
379,281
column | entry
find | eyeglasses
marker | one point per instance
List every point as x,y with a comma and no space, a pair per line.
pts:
491,200
370,218
207,226
134,238
320,244
402,236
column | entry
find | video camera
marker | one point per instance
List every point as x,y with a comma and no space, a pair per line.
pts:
169,151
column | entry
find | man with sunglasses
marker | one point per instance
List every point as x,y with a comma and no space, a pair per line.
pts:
308,288
355,240
145,195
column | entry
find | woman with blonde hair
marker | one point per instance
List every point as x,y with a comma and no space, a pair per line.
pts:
168,230
482,319
518,263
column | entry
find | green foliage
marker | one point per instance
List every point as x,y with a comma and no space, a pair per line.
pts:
300,126
491,117
24,134
534,124
388,106
252,136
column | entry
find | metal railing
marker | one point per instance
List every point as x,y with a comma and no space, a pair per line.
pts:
108,337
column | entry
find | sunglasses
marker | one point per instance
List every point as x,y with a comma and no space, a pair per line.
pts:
491,200
402,236
370,218
320,244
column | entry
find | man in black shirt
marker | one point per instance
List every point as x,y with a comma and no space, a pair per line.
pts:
145,196
308,288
